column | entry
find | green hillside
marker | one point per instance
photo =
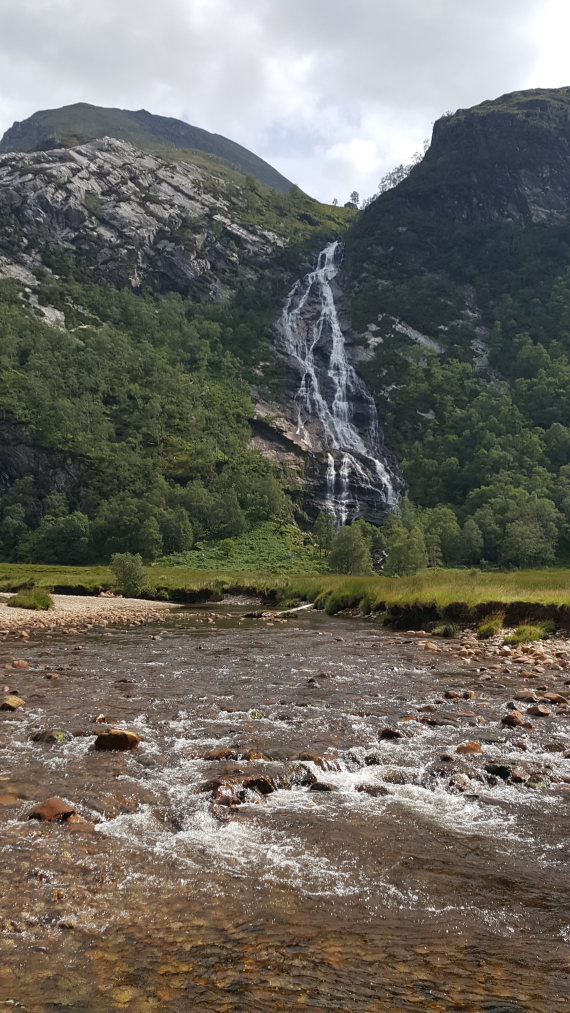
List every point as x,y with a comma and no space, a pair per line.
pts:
472,250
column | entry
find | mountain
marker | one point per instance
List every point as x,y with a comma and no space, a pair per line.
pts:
137,294
461,307
187,353
79,123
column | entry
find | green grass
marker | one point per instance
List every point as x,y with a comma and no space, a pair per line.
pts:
459,596
526,633
35,598
490,627
446,630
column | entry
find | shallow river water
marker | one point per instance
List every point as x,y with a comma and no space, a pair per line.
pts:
449,892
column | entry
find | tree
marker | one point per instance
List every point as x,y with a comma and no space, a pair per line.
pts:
471,542
60,540
406,550
323,532
129,573
354,198
350,552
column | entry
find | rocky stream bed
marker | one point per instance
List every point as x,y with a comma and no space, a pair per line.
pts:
308,813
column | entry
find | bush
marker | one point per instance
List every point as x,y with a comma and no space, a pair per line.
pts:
36,598
446,630
526,634
490,627
129,572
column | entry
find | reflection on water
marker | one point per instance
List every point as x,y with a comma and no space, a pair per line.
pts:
448,892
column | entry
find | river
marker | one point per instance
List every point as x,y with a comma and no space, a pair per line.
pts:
445,890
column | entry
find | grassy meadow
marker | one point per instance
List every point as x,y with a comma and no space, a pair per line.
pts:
460,595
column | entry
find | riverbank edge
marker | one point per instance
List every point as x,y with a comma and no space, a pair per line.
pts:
465,598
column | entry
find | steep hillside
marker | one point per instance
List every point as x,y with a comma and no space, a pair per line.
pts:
136,301
76,124
461,309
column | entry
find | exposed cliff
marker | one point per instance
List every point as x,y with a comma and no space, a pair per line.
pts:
131,218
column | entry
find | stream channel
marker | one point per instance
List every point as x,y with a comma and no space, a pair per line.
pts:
445,889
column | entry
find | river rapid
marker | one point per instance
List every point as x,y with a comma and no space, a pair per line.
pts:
446,889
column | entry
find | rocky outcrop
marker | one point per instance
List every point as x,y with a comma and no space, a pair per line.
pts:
132,218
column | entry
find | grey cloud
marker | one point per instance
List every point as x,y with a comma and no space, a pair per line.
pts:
359,84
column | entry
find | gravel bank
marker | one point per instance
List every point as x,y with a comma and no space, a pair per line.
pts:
80,612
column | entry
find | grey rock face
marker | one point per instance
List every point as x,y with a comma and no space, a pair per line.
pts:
132,217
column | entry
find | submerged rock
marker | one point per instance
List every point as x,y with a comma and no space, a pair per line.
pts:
469,747
375,790
12,702
52,810
323,786
513,720
52,736
391,733
118,739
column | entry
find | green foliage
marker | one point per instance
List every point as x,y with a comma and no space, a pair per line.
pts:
406,543
35,598
350,552
527,633
324,530
134,428
446,630
490,627
269,547
129,572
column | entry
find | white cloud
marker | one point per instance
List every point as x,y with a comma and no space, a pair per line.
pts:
332,95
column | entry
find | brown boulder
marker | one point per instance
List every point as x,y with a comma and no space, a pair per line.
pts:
375,790
555,698
323,786
118,739
469,747
539,711
11,703
513,720
53,809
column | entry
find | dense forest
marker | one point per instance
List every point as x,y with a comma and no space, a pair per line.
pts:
135,419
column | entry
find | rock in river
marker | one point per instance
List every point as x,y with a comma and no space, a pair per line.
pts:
11,703
118,739
51,810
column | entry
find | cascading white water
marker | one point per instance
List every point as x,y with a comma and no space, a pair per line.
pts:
331,394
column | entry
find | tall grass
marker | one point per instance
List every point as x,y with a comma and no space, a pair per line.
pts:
440,589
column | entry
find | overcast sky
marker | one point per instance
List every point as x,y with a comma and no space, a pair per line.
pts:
333,94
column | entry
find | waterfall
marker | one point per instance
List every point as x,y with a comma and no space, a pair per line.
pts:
336,414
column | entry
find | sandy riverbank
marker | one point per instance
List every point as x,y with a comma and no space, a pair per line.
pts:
80,612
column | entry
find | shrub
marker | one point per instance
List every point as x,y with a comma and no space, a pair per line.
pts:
36,598
490,627
527,633
446,630
129,572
